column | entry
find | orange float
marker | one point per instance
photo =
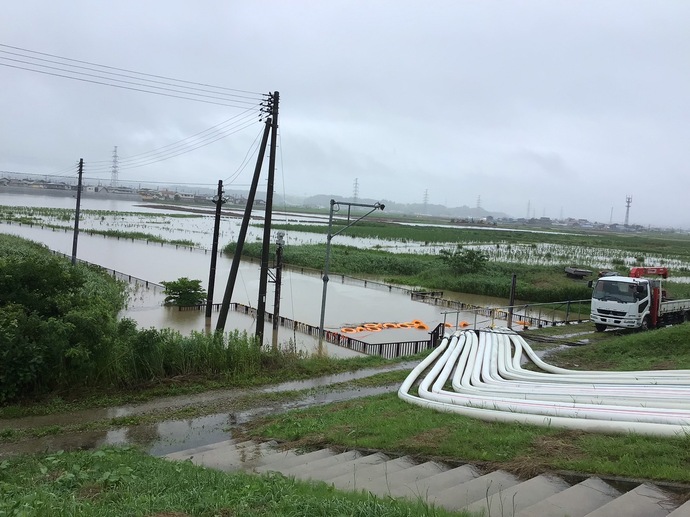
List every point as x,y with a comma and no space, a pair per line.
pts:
377,327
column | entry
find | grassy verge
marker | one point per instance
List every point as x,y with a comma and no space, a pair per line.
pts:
114,482
661,349
76,400
385,422
234,402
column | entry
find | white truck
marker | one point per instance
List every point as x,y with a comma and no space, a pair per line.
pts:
635,302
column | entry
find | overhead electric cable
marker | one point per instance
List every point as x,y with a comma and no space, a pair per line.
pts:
182,142
253,148
182,94
260,95
173,154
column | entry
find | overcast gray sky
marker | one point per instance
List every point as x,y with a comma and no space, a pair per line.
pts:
563,106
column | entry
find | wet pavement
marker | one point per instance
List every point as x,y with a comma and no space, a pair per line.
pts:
173,435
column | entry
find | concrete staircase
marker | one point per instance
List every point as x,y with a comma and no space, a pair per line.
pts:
496,493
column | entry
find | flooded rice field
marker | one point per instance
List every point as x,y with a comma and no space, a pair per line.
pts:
195,224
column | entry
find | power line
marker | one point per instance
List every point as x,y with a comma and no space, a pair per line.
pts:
63,173
182,146
250,153
257,94
216,129
170,154
168,87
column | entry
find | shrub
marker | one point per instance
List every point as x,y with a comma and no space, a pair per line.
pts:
184,292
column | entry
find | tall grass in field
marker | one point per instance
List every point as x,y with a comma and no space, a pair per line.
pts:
142,355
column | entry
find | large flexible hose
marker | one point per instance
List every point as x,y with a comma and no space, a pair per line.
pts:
479,374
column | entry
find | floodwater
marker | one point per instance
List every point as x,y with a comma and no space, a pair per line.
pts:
175,435
347,305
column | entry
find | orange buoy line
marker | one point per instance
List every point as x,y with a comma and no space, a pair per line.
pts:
377,327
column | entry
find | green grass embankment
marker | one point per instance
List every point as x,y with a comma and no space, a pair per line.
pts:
385,422
116,482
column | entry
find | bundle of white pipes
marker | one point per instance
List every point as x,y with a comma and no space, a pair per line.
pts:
479,374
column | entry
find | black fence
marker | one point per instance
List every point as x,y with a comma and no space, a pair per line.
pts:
386,350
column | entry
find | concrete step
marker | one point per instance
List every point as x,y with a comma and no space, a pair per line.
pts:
362,477
347,467
511,500
188,453
300,471
642,501
682,511
576,501
228,457
459,496
406,481
294,458
433,485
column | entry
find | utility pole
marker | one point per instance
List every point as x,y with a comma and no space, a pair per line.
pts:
335,206
234,268
278,280
263,276
218,200
76,214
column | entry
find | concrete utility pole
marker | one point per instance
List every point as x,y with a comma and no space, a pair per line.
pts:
278,281
234,268
263,275
218,200
76,213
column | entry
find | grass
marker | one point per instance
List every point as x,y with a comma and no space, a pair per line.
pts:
77,400
661,349
229,403
115,482
386,423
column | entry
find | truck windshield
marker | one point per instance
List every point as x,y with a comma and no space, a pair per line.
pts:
623,292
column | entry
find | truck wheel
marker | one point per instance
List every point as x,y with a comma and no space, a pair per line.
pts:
600,327
645,323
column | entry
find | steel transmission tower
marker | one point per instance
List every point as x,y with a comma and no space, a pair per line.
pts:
114,170
628,202
355,190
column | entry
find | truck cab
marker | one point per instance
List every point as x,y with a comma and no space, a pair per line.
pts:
621,301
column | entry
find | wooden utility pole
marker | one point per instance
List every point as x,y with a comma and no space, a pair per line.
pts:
218,200
263,276
230,286
76,214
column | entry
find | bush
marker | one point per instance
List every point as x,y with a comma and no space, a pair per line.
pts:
184,292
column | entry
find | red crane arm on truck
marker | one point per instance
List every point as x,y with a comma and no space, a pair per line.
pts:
638,272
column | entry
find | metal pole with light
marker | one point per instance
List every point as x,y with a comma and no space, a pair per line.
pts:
335,206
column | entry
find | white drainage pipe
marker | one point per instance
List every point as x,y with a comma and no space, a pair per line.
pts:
479,374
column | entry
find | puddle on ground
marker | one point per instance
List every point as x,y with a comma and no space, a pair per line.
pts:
169,436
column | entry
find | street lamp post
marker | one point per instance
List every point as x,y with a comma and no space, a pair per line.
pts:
335,206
